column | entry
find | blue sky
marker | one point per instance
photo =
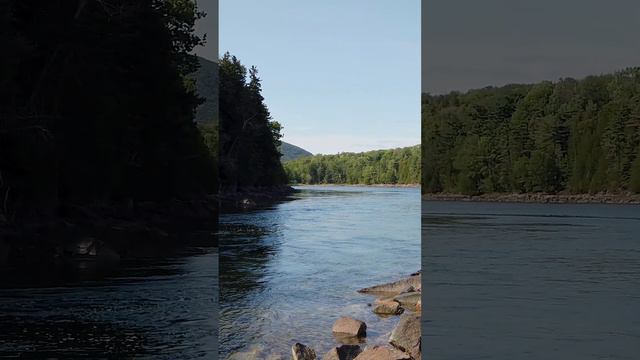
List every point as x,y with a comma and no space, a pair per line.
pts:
338,75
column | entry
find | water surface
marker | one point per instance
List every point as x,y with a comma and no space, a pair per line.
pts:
154,308
530,281
289,271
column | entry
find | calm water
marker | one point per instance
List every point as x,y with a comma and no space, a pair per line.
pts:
162,308
530,281
289,271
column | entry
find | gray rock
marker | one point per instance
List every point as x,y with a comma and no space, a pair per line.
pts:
344,352
406,336
302,352
349,326
382,353
396,287
410,299
387,307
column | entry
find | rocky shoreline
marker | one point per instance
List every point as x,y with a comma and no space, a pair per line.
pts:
599,198
401,299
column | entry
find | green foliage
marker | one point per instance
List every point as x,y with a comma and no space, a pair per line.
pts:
249,139
576,136
397,166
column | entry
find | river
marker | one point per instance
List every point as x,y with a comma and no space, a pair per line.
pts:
147,308
530,281
288,271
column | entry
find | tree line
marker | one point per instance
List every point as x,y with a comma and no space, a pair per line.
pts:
573,136
395,166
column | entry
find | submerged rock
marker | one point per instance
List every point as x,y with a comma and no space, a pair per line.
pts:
344,352
252,354
407,337
387,307
350,327
302,352
382,353
411,283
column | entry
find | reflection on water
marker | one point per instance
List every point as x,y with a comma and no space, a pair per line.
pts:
289,271
155,308
531,281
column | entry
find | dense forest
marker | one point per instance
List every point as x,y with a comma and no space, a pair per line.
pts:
569,136
396,166
97,105
249,138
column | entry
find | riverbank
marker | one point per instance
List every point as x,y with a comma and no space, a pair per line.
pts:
600,198
366,185
254,197
102,234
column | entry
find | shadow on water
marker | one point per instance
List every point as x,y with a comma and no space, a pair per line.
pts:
159,306
245,251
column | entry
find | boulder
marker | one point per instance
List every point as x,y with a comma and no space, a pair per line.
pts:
387,307
407,337
344,352
408,299
397,287
302,352
419,305
382,353
349,327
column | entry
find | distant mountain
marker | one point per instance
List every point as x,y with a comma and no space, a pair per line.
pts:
292,152
207,88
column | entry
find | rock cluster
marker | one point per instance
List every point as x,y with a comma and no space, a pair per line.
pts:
405,342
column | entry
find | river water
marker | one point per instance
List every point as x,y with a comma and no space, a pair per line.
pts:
530,281
287,272
147,308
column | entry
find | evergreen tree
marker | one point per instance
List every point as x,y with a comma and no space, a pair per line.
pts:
575,136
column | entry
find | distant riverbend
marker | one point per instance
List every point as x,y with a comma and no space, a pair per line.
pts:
290,270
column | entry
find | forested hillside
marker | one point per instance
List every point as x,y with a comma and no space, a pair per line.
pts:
96,105
396,166
574,136
292,152
249,138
